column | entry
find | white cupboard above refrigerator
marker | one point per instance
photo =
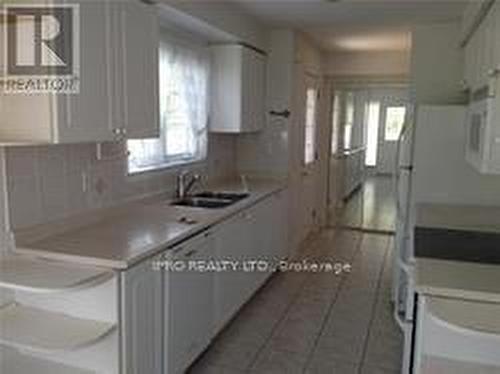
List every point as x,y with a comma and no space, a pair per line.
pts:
483,129
481,27
238,89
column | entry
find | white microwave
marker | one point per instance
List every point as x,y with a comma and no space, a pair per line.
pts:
483,129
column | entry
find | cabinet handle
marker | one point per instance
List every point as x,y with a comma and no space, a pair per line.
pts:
124,131
117,131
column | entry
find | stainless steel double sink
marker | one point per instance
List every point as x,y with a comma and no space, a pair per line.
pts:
211,199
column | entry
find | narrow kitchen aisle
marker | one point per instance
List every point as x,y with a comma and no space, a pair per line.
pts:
317,322
372,207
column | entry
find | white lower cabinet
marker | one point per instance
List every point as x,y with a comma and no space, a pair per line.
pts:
149,319
142,319
256,234
171,316
272,228
234,244
188,302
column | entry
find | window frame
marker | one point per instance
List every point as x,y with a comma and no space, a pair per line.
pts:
386,122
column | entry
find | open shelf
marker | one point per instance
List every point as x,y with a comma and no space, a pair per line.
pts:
37,275
39,331
13,362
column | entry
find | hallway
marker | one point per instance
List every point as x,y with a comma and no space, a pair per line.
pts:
317,322
372,207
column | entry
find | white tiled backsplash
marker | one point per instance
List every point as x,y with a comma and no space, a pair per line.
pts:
47,183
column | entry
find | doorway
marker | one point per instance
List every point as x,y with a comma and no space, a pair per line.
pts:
310,157
365,185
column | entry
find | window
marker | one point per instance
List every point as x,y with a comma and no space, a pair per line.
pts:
349,120
183,83
372,133
394,121
335,123
310,126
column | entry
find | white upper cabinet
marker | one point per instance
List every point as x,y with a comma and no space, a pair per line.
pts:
482,51
137,69
117,74
238,89
85,116
59,118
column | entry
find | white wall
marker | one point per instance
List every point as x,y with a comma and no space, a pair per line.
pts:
267,152
277,150
367,64
45,183
437,64
308,54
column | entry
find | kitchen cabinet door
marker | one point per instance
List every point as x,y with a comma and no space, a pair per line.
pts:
253,90
474,62
142,319
137,67
279,236
489,45
469,65
238,89
264,229
235,240
495,33
69,118
189,303
271,230
481,69
86,116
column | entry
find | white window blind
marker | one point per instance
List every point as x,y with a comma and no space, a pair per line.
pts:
183,84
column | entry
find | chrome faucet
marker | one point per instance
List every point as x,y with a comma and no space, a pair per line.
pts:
184,185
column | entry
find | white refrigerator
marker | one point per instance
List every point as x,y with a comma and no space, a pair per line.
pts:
431,138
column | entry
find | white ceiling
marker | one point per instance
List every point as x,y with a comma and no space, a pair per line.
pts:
354,25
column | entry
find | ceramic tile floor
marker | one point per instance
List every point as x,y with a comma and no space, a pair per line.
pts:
317,322
373,207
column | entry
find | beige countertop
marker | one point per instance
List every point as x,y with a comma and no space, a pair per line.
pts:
458,279
123,236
